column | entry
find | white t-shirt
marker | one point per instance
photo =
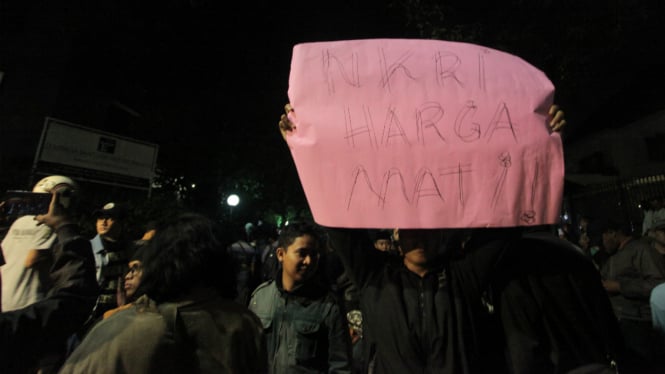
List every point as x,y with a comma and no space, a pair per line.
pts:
23,286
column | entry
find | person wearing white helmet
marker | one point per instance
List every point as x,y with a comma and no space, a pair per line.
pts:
26,249
32,337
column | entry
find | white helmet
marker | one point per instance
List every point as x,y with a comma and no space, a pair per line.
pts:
46,185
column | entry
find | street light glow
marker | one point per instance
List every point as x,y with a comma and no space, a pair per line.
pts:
232,200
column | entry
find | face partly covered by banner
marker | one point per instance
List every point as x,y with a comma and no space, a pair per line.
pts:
423,134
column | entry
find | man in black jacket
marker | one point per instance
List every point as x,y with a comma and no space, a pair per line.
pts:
479,301
29,333
509,301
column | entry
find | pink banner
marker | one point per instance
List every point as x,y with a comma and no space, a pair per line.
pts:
423,134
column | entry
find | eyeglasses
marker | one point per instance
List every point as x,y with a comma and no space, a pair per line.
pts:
134,269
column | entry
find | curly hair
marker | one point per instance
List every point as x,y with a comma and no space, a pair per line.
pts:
186,252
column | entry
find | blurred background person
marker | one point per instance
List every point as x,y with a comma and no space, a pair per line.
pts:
654,211
629,275
246,256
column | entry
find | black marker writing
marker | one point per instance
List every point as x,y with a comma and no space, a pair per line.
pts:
393,128
529,216
427,117
425,177
330,61
505,162
430,121
501,121
389,70
473,134
481,69
458,170
446,64
352,132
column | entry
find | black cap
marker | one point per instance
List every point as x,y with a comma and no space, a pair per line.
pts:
382,235
615,225
111,210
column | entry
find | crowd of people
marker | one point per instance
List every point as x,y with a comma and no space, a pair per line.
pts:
161,303
313,299
631,262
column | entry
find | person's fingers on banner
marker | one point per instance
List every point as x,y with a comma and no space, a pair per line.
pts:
285,124
557,121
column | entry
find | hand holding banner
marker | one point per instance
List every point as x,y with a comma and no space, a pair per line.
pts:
423,134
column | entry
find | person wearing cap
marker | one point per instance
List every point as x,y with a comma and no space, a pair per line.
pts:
111,252
27,252
382,240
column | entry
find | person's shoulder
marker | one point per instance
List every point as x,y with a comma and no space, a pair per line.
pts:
263,297
29,232
659,214
267,286
232,311
148,316
540,252
27,223
25,220
547,241
638,244
332,298
113,311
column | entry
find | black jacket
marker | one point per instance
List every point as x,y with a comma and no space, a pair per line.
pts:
26,334
507,303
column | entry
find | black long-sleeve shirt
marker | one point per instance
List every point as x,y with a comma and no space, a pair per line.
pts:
545,299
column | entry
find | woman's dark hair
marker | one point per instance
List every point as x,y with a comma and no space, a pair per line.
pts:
186,252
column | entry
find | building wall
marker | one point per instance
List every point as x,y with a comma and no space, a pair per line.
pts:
624,152
613,173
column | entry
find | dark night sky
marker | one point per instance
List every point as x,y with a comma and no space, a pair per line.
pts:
206,78
209,78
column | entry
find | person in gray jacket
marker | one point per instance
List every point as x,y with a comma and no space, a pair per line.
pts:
301,318
633,269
